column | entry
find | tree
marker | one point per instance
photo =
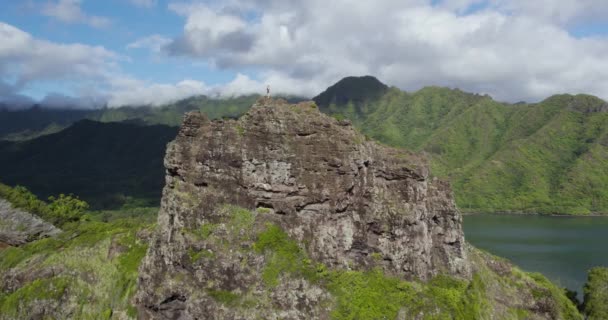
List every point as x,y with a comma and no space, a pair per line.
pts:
596,294
65,209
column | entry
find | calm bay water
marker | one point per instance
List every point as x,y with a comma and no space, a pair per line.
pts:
561,248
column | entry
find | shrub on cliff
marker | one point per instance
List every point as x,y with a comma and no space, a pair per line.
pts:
596,294
59,210
22,198
65,209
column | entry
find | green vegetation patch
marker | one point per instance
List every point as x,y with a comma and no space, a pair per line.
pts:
17,304
263,210
224,297
239,130
372,294
565,307
456,299
196,255
59,211
368,295
596,294
240,219
285,256
128,264
204,231
95,266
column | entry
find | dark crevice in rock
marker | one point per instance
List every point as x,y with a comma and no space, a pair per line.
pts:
305,134
173,172
173,302
201,184
262,204
173,298
436,220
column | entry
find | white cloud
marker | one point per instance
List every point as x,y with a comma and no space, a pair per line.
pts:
513,50
130,91
459,6
557,11
61,101
153,42
561,12
26,59
69,11
211,32
9,98
144,3
91,73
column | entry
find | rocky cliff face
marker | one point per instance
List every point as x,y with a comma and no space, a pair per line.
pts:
352,203
18,227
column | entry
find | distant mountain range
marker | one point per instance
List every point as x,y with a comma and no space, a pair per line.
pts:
35,121
32,122
547,157
106,164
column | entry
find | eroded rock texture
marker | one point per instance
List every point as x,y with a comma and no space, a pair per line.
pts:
350,202
18,227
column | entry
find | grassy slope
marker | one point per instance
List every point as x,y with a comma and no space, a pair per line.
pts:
89,271
548,157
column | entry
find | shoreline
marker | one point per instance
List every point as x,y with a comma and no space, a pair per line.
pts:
528,213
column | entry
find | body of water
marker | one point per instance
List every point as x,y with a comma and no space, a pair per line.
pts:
561,248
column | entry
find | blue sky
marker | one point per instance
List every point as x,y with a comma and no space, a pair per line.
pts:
120,52
128,22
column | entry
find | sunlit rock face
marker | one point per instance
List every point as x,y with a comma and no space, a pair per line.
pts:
18,227
350,202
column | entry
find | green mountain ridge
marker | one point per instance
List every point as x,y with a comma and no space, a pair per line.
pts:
37,121
107,164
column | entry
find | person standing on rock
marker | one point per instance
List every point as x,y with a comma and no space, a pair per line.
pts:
268,91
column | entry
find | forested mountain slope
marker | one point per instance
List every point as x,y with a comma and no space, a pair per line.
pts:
107,164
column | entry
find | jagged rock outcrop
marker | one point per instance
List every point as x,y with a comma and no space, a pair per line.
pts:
18,227
352,202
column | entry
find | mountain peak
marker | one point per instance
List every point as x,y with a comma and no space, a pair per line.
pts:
351,89
581,102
